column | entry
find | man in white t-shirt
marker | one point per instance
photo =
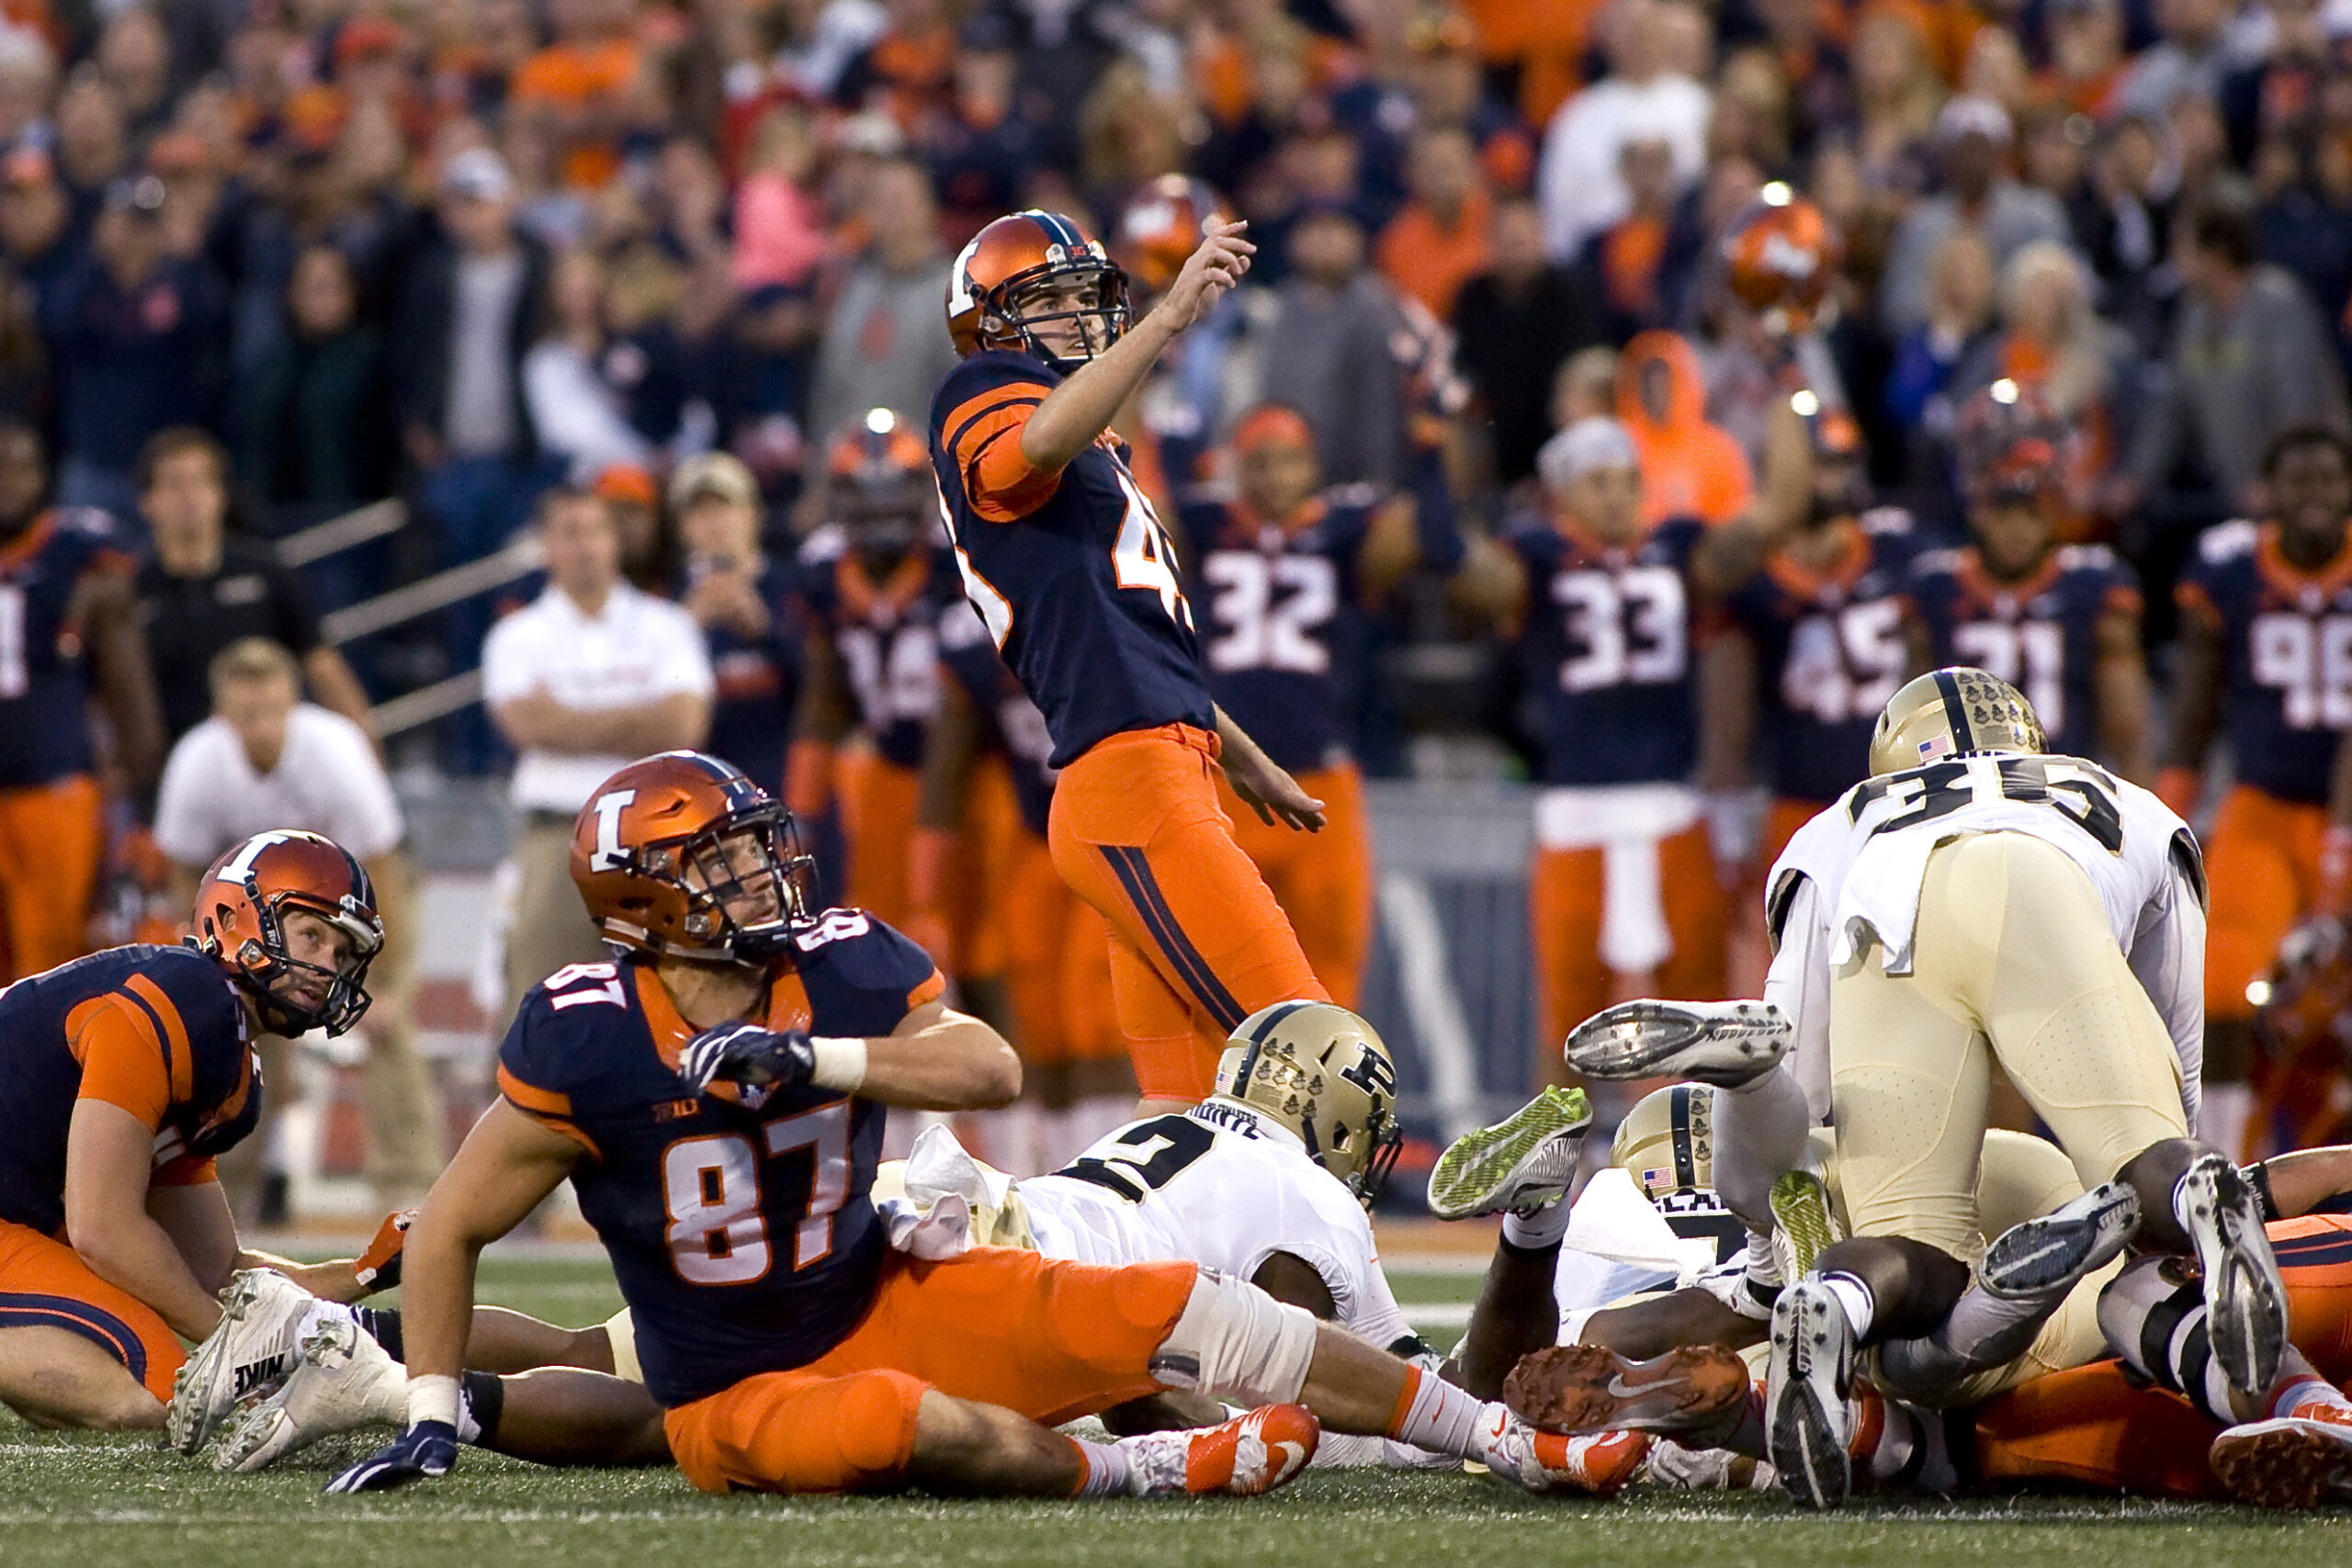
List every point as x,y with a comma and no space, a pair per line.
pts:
267,760
584,680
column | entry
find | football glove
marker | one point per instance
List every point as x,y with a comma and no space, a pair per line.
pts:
746,1055
427,1449
378,1268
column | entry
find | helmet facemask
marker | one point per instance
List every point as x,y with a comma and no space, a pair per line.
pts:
1040,296
265,969
750,861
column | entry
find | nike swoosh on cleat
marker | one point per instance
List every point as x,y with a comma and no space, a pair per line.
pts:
1623,1390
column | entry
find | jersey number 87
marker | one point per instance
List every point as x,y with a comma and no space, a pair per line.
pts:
711,1191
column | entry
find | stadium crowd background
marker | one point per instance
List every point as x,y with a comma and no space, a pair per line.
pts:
460,252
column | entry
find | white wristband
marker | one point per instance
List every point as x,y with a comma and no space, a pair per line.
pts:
840,1061
432,1399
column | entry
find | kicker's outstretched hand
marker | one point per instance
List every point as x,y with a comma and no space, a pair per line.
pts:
1208,274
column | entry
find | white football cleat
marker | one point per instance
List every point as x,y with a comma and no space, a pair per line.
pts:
1807,1422
251,1353
1725,1043
345,1381
2049,1255
2246,1300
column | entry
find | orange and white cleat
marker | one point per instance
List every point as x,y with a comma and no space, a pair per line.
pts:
1598,1463
2292,1461
1252,1453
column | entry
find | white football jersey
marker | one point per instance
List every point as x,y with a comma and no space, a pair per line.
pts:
1223,1187
1852,875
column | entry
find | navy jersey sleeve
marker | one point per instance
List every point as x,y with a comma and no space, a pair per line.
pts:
977,419
537,1074
862,976
1680,537
1198,524
199,1009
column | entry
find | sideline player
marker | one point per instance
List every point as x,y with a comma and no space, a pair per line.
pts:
689,1096
123,1076
2266,616
1076,581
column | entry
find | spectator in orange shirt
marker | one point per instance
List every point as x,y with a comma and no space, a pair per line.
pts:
584,82
1439,242
2087,56
1689,468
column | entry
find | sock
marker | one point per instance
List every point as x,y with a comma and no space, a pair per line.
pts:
1432,1413
1545,1228
2303,1394
1861,1307
1105,1469
2180,1205
1901,1447
383,1326
481,1401
1982,1331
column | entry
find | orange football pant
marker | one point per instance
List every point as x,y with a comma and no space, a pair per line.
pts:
1565,902
1058,965
877,805
52,846
1323,881
1048,1339
45,1284
986,845
1197,942
1780,825
2093,1425
2262,863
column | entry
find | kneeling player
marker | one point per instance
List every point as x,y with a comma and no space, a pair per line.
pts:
718,1102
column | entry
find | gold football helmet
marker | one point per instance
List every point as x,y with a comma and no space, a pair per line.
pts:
1950,713
1322,1072
1667,1143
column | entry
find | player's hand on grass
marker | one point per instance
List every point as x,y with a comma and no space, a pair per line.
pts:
747,1054
1272,794
426,1450
1208,272
378,1268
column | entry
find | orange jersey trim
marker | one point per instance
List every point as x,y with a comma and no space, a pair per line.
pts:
931,990
122,1060
1805,583
984,442
183,1062
548,1109
2278,572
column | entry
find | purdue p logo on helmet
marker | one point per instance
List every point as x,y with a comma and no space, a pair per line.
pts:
1320,1071
1952,712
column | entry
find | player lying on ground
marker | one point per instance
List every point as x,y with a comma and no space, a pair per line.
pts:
731,1079
2033,911
123,1076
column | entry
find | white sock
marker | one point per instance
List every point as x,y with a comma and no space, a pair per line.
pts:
1854,1297
1107,1469
1432,1413
1546,1227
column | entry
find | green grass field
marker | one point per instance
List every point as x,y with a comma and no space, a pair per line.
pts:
108,1503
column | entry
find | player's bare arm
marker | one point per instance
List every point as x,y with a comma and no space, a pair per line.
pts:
1490,586
665,724
1082,408
105,608
1391,550
198,1220
2196,712
2301,1182
109,1153
1272,794
822,714
2120,676
939,1060
1729,554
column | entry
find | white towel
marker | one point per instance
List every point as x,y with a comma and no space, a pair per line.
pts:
1626,823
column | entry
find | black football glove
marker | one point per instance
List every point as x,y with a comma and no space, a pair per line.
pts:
746,1055
428,1449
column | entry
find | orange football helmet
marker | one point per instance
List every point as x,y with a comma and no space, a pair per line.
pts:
1163,225
881,485
1779,257
240,922
681,854
2012,446
1012,277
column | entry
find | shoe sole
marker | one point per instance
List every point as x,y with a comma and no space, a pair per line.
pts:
1574,1389
2056,1250
1799,1204
2246,1300
2278,1464
202,1374
1801,1439
1653,1038
1466,1178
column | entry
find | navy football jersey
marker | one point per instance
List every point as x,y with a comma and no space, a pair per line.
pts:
44,680
1828,654
1015,725
887,635
174,1000
1606,650
1278,620
1075,578
2040,633
744,1237
758,680
2285,654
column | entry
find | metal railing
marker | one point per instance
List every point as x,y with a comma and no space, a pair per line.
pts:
337,535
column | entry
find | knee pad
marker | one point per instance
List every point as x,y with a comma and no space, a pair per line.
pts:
1235,1341
874,1431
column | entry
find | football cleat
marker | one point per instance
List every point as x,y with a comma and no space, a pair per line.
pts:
2288,1462
1707,1470
1597,1463
1803,1223
252,1352
2246,1300
1585,1388
1251,1454
1521,1163
1806,1422
2049,1255
345,1381
1725,1043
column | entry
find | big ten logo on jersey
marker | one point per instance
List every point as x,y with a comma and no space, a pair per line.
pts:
2029,654
1844,662
1629,626
894,671
2082,792
719,1228
1270,611
2305,655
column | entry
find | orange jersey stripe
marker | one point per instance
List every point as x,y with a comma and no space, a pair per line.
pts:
530,1097
176,1029
931,990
